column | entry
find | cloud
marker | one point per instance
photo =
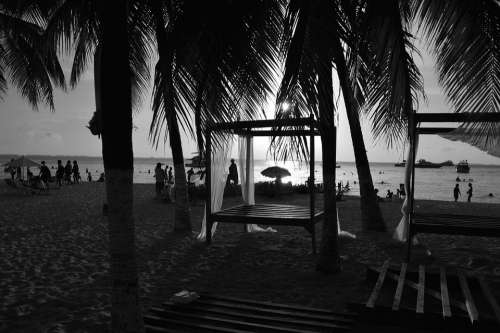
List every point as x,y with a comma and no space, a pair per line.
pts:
44,137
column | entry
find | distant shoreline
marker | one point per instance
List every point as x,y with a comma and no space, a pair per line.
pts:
6,157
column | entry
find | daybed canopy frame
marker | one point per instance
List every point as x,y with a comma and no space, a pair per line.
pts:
445,223
268,214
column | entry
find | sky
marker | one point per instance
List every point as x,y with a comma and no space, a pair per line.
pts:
63,132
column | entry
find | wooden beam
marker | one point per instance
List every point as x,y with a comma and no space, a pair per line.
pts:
421,289
399,288
457,117
276,132
263,123
469,301
445,300
378,285
489,296
434,130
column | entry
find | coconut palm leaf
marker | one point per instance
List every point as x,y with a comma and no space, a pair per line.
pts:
464,36
395,83
31,65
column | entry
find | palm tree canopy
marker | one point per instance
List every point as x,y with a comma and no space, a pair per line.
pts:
26,58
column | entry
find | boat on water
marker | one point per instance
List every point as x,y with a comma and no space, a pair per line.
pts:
337,166
426,164
197,161
463,167
447,163
400,164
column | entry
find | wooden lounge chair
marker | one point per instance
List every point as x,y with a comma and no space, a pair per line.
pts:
211,313
439,299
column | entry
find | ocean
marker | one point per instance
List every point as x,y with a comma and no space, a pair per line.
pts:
433,184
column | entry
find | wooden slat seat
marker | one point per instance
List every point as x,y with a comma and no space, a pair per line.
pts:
455,224
212,313
268,214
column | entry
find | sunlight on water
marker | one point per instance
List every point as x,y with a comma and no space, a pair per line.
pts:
430,183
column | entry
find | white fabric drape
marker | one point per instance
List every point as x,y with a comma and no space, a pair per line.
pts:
218,173
246,164
343,233
401,231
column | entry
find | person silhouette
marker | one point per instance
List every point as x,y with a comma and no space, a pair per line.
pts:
469,192
233,173
456,192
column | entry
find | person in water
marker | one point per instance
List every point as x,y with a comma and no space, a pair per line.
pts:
456,192
469,192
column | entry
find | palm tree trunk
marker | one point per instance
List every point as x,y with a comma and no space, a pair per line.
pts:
182,214
371,215
328,260
117,154
182,221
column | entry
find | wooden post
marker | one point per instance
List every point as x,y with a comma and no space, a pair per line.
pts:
247,171
311,182
413,137
208,180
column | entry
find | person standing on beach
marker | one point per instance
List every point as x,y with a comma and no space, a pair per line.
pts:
456,192
76,173
170,176
469,192
67,172
233,173
59,173
160,179
44,174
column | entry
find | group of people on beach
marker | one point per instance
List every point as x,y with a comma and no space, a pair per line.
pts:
69,173
163,179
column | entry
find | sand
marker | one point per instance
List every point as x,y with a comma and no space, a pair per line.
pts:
54,261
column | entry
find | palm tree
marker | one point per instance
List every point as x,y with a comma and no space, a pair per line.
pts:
32,67
121,71
117,154
216,59
333,22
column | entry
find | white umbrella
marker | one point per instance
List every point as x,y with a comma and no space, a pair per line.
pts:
22,162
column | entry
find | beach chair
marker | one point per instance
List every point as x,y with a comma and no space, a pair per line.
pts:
213,313
434,299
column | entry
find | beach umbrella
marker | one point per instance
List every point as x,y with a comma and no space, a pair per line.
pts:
22,162
275,172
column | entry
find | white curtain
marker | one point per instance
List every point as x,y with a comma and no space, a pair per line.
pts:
246,165
401,231
218,173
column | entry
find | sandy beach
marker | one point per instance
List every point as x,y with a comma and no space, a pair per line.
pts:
54,262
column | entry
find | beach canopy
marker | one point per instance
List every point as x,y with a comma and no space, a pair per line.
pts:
275,172
475,137
22,162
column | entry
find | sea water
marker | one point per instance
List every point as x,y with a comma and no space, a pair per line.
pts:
434,184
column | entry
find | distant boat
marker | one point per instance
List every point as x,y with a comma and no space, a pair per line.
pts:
400,164
447,163
463,167
426,164
337,166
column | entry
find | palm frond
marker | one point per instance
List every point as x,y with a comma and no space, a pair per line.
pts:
464,36
395,82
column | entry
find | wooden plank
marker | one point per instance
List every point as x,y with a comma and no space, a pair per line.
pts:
257,309
434,130
274,123
277,132
224,322
273,305
457,117
378,285
429,291
489,296
399,288
421,289
260,318
469,301
445,299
